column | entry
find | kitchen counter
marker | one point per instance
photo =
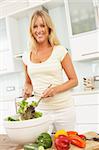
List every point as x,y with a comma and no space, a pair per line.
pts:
85,92
6,144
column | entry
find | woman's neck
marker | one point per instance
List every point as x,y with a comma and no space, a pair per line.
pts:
43,46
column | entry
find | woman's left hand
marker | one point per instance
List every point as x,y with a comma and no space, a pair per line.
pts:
49,92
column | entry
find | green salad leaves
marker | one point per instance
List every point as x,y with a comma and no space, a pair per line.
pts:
26,111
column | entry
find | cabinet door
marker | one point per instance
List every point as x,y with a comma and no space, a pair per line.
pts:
83,29
85,46
9,7
86,99
87,114
82,16
3,62
6,62
3,36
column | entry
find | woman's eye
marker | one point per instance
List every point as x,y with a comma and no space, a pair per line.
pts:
43,25
34,26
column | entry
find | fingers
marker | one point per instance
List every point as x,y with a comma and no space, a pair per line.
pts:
48,92
26,93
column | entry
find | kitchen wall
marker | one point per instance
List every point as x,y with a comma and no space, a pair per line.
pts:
11,85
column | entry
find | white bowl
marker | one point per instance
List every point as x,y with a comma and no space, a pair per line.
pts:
27,131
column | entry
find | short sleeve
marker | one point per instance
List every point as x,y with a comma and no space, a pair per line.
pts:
25,58
61,52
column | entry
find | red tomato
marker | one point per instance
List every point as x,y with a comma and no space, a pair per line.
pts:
82,136
62,142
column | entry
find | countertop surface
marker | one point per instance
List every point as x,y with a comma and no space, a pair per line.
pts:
6,144
85,92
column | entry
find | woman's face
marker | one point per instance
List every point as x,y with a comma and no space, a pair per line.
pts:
40,31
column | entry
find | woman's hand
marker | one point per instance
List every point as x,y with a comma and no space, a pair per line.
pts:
27,91
49,92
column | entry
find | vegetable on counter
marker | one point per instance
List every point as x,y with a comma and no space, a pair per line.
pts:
63,139
62,142
82,136
77,141
60,132
72,133
44,140
33,147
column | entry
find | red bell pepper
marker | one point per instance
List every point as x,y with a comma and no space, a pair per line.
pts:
82,136
72,133
62,142
78,141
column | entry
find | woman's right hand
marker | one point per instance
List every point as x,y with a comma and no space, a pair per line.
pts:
27,91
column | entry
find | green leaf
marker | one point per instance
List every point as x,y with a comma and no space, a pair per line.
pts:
37,114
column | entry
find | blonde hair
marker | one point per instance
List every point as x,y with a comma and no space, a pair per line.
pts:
53,40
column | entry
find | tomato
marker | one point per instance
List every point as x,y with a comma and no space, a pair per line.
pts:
62,142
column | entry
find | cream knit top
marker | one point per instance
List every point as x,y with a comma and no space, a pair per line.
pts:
46,73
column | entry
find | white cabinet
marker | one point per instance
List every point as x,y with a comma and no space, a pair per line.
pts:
7,108
87,112
5,53
8,7
7,62
83,25
85,46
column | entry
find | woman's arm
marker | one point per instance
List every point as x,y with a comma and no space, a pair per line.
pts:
70,72
28,88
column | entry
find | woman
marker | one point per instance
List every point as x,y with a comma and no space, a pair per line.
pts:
44,65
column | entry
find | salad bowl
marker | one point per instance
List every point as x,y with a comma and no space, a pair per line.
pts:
26,131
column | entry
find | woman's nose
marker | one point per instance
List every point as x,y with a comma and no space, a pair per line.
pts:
39,29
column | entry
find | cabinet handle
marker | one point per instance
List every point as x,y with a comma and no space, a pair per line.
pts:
89,53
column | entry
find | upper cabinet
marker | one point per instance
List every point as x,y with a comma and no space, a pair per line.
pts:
82,16
82,20
8,7
7,63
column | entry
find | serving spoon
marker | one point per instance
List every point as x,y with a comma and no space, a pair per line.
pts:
41,96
